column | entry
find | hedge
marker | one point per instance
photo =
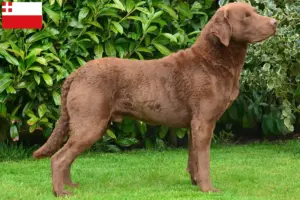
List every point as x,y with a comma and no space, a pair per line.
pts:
34,63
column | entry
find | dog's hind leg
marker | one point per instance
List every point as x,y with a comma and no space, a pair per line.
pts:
82,139
89,117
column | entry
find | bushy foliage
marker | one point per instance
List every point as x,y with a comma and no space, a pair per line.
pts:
34,63
270,84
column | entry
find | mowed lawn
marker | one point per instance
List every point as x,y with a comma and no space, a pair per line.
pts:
253,171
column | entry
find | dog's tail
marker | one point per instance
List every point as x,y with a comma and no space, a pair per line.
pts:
61,129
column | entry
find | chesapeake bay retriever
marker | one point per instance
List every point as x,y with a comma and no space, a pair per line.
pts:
189,88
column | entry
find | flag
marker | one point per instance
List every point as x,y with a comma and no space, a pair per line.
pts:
22,15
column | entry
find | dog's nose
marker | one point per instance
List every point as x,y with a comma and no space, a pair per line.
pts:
273,22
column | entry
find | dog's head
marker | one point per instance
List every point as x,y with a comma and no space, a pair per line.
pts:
240,22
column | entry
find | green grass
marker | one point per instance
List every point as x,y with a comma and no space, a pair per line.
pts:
255,171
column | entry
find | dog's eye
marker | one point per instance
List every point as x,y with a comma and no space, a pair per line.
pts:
247,14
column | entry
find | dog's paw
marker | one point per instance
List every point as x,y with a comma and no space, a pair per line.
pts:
62,193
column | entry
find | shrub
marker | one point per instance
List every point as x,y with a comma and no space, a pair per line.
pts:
34,63
270,89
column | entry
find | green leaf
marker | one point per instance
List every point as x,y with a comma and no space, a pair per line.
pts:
144,10
44,120
126,142
170,36
37,78
109,12
32,128
142,127
93,36
163,131
14,134
51,56
34,52
194,33
162,49
83,13
17,53
144,49
41,60
38,36
80,61
118,26
196,6
4,45
140,3
266,66
56,98
137,18
42,109
3,109
129,5
94,23
32,120
22,84
27,108
128,127
9,58
180,132
119,4
110,49
76,24
151,29
98,50
59,2
287,122
13,113
111,134
169,10
184,10
281,126
223,2
52,2
11,90
139,55
121,51
157,14
30,60
52,15
48,79
4,83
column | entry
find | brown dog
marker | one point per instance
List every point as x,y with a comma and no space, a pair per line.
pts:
190,88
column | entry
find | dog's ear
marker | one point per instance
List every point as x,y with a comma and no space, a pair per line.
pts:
221,27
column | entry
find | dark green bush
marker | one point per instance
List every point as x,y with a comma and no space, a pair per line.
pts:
34,63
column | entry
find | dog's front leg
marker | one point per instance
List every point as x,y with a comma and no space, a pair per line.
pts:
199,155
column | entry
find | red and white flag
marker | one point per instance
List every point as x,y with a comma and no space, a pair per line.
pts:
22,15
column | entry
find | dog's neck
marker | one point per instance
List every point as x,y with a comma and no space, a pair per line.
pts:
210,47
